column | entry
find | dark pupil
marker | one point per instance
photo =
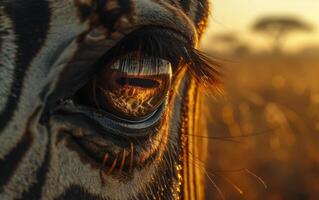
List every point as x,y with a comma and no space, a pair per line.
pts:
137,82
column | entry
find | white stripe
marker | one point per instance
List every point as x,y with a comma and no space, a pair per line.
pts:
8,51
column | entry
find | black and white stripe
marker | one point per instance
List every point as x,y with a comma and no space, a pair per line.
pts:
30,25
39,40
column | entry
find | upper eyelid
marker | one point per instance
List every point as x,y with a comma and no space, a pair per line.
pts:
148,43
169,45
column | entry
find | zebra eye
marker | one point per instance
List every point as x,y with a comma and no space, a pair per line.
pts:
133,87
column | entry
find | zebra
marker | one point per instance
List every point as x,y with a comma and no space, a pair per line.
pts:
99,99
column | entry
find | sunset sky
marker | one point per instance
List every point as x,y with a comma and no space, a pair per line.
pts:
237,16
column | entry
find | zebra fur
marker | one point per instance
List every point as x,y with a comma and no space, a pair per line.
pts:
39,40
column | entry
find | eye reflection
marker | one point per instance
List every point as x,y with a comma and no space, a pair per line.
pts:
133,87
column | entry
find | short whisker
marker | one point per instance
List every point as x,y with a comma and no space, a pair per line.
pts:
131,158
113,165
105,158
123,161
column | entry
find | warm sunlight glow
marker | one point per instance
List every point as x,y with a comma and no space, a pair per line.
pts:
263,134
238,16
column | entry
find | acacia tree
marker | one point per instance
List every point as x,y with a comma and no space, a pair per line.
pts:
277,28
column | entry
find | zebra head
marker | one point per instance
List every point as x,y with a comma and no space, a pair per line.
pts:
99,98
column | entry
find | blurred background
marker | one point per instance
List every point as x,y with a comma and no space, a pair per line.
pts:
264,132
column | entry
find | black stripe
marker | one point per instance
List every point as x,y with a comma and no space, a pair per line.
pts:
34,191
31,23
185,4
10,162
125,6
76,192
109,18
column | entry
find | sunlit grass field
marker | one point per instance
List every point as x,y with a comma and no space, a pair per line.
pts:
265,130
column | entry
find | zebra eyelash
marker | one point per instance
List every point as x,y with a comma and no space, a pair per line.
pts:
171,46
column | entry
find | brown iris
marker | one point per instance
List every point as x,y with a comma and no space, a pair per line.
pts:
133,87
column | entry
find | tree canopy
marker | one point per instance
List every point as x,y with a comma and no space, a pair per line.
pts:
278,27
280,24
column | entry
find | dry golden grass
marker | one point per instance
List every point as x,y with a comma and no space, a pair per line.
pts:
268,130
